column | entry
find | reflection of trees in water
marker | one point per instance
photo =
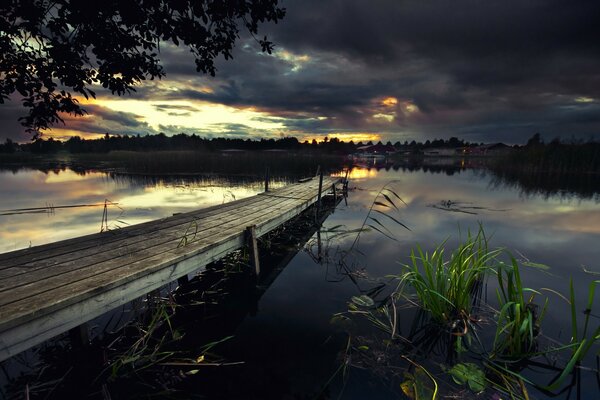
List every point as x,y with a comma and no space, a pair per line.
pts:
248,169
448,166
530,181
548,184
242,165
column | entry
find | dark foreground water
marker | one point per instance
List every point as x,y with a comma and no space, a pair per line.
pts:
283,342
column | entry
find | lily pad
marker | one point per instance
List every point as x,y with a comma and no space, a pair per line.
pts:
470,374
417,386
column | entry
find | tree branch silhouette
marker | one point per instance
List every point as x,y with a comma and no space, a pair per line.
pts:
53,51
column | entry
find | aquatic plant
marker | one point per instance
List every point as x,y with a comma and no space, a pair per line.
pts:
448,291
447,288
518,320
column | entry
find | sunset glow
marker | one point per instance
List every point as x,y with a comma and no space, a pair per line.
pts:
389,101
346,137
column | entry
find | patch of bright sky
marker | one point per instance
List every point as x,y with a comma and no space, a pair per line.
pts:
389,101
207,115
410,108
584,99
386,117
346,137
296,60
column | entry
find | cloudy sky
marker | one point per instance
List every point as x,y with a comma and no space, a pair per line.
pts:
368,70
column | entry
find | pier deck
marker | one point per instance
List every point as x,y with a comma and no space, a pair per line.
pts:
47,290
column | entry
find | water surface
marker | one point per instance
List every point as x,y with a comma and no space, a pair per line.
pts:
285,338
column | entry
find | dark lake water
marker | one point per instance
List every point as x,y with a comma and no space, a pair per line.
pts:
284,334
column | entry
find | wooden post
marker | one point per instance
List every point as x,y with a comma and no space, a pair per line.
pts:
253,246
267,179
319,246
319,194
318,170
183,280
80,335
345,184
334,195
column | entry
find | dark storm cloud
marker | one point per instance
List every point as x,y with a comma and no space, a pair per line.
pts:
125,119
497,70
489,71
102,120
458,60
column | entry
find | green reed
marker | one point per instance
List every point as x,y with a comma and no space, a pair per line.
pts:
447,287
518,321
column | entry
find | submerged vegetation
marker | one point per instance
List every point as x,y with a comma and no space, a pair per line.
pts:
458,333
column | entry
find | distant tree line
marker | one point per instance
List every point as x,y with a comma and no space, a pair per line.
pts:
556,156
194,142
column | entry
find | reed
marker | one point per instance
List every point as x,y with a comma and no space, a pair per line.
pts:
518,320
447,287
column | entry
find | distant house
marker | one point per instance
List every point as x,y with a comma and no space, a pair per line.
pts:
376,149
490,149
441,152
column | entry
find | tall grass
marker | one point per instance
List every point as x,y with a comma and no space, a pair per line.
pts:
449,290
447,286
518,320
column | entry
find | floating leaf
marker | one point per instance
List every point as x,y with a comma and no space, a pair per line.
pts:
416,387
470,374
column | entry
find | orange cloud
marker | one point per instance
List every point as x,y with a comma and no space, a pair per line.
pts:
389,102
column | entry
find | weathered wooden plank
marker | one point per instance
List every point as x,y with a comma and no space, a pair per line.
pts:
71,273
75,291
136,229
31,320
16,288
150,239
98,247
114,235
34,331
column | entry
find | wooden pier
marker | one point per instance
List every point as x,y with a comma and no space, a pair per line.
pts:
47,290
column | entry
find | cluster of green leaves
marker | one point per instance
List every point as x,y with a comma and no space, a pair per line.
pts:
518,320
446,288
52,50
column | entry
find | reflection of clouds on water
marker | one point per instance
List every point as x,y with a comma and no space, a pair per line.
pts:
542,228
137,202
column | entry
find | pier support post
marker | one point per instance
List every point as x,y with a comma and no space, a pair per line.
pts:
267,178
182,280
334,195
345,184
80,336
253,246
319,194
